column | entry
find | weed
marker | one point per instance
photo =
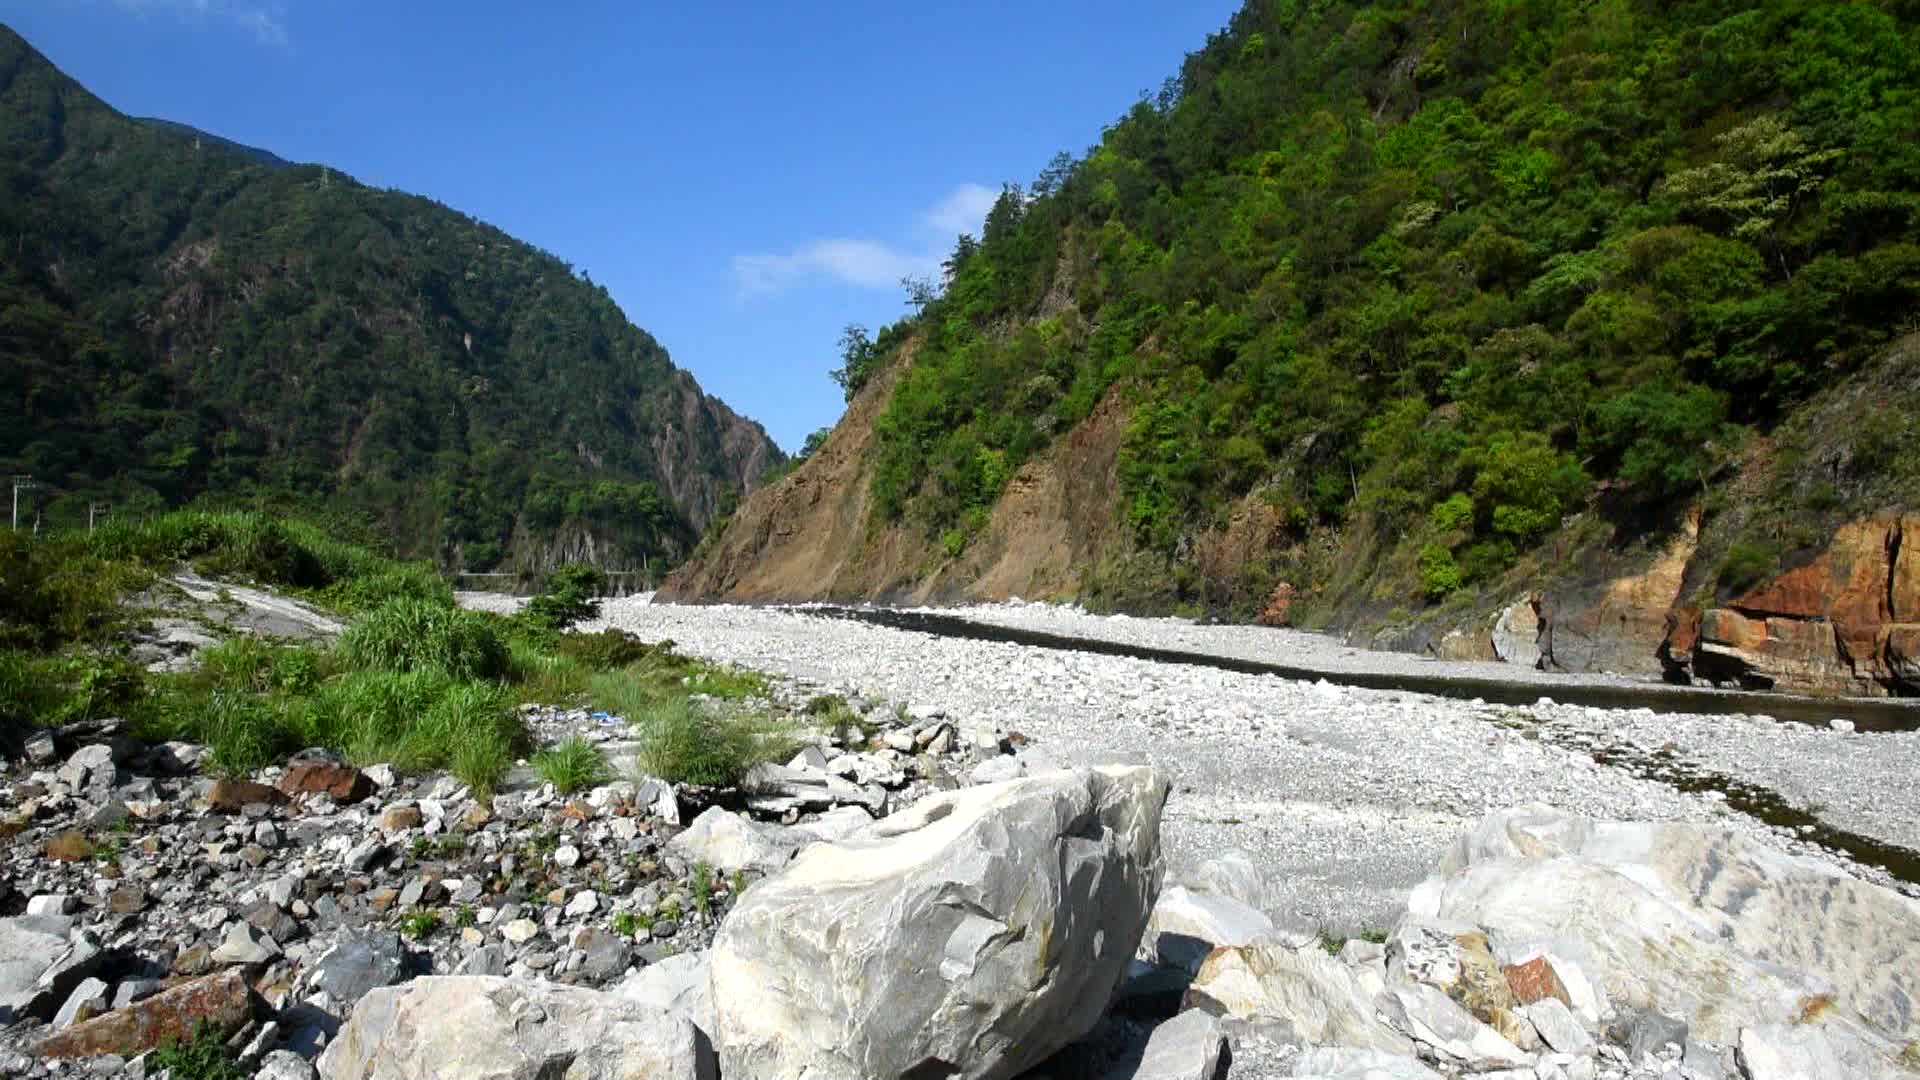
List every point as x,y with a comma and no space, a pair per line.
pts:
629,923
407,634
1747,565
571,765
702,888
420,924
684,744
202,1057
464,917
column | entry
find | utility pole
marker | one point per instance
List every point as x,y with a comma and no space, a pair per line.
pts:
20,483
92,508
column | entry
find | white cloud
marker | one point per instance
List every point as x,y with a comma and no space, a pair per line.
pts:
862,263
869,264
963,211
266,20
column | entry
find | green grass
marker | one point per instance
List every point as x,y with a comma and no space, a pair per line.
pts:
407,634
573,764
684,743
202,1057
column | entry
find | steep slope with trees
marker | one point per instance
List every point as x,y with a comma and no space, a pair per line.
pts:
182,317
1417,309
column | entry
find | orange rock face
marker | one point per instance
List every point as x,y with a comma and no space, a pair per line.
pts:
1841,624
1535,981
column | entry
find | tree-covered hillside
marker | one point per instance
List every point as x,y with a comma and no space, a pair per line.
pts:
1436,272
181,317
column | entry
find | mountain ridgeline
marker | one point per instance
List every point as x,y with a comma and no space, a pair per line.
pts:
183,318
1385,316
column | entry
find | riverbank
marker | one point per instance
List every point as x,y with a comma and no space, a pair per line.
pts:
1346,797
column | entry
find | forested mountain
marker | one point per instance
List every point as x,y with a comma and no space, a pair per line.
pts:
1390,311
184,317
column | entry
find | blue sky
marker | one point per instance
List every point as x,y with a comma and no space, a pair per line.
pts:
745,178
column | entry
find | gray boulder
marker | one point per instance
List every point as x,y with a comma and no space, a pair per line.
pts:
1320,1000
360,962
728,842
969,936
678,984
1190,1046
1185,926
484,1028
40,965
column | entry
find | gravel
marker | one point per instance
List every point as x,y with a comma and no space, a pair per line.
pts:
1345,797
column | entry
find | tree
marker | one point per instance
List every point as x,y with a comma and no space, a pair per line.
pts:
1765,173
857,360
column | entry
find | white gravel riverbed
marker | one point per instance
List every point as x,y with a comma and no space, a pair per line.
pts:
1346,796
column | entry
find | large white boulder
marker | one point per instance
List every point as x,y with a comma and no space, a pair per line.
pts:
1696,922
730,843
480,1027
968,936
1321,1000
1185,926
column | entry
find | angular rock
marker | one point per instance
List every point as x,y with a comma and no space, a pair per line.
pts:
1232,875
1424,1013
87,1001
40,748
1558,1028
230,796
1320,1000
245,945
834,825
314,772
501,1029
40,965
970,935
1645,1032
221,1001
1185,926
1803,1052
773,789
1535,981
1190,1046
728,842
284,1065
359,963
1701,923
678,984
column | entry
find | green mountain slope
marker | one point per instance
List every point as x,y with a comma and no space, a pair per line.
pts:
182,317
1436,277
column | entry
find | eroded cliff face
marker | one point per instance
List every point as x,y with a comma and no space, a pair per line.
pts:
808,537
1846,623
702,449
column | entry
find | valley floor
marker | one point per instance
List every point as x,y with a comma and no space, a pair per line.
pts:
1345,796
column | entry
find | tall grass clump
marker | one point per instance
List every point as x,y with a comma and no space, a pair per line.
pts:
54,592
400,581
683,743
409,634
571,765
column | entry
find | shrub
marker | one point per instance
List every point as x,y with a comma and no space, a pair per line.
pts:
203,1057
1746,565
1439,573
571,765
684,744
54,592
406,581
607,649
408,634
569,596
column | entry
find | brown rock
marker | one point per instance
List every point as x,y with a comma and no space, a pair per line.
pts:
222,1001
383,897
69,846
1535,981
197,960
343,783
1482,989
231,796
475,816
399,818
127,900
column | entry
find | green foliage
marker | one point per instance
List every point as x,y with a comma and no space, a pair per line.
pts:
702,887
571,765
1365,259
686,744
202,1057
184,318
1747,564
420,924
569,595
858,359
1439,573
408,635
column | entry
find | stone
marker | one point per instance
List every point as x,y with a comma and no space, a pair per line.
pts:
319,772
40,964
728,843
222,1001
362,856
1535,981
230,796
566,856
397,819
1232,875
1644,1032
87,1001
997,770
1558,1028
836,824
584,903
244,944
128,991
284,1065
1516,633
604,955
969,935
1321,1001
678,985
1457,959
1190,1046
1345,1063
1185,926
1427,1015
1810,1052
501,1029
520,931
771,788
1698,922
40,748
127,900
53,904
358,963
484,960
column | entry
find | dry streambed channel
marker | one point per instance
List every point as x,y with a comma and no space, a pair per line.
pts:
1347,774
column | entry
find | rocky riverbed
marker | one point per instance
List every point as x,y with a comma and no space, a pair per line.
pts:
1347,795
